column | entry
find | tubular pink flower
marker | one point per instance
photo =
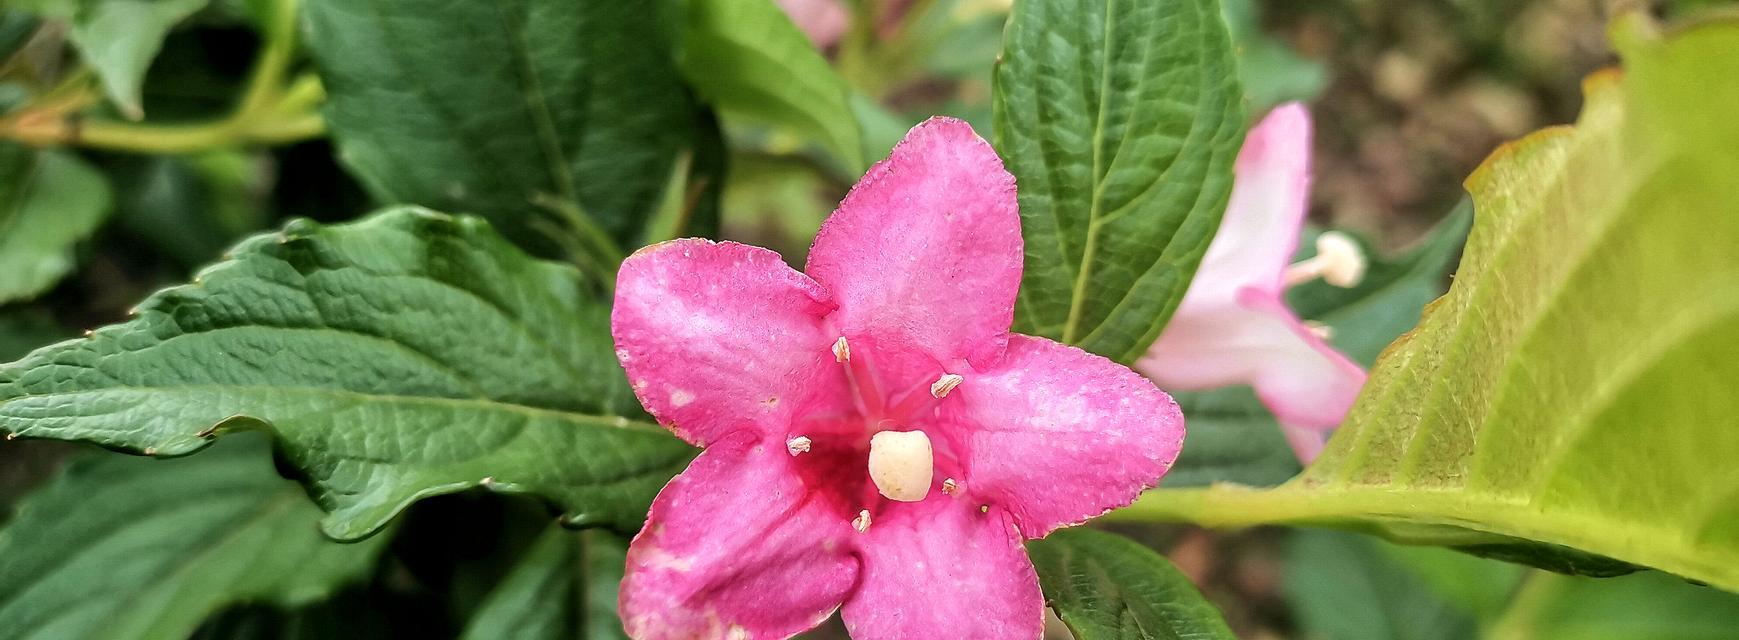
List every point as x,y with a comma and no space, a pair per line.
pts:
899,328
824,21
1233,326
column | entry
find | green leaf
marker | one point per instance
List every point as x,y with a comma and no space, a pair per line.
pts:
563,587
49,200
557,121
1120,119
121,547
1351,587
1105,586
747,59
119,38
1574,388
1645,606
1233,438
406,355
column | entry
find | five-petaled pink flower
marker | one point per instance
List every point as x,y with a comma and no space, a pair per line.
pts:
1233,326
875,437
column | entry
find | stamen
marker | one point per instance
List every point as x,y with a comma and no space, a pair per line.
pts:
1319,329
862,521
901,464
841,350
950,487
799,444
940,388
1338,261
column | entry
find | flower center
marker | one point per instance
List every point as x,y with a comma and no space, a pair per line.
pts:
901,458
901,464
1338,261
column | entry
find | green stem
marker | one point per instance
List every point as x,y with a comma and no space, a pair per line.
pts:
1519,619
267,112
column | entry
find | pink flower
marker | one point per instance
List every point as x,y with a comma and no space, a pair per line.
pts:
1233,327
875,437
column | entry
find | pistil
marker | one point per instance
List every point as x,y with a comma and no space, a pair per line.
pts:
1338,261
901,464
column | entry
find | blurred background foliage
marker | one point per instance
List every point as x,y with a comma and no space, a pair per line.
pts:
1408,97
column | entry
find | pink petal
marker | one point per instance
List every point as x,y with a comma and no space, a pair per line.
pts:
721,337
737,545
1270,196
1259,342
1232,326
942,569
1060,435
924,255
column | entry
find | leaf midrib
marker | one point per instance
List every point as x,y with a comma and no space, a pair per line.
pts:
1477,512
479,404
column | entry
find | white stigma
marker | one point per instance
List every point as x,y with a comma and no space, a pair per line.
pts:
799,444
841,350
1338,261
940,388
862,521
901,464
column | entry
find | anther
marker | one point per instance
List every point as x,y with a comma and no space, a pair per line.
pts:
841,350
799,444
1338,261
940,388
862,521
950,487
901,464
1319,329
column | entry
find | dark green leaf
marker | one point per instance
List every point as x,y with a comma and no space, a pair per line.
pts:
406,355
747,59
121,547
1105,587
563,587
1350,587
49,200
1232,438
1120,119
119,38
558,121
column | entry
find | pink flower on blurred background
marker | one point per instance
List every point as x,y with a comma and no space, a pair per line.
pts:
875,437
1233,326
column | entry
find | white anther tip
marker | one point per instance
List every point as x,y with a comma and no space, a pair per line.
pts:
799,444
940,388
1340,259
841,350
901,464
950,487
862,521
1319,329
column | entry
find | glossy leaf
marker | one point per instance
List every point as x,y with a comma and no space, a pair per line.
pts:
121,547
1120,119
557,121
1573,389
1104,586
406,355
49,200
563,587
748,60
